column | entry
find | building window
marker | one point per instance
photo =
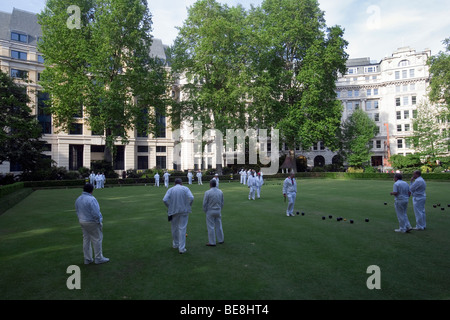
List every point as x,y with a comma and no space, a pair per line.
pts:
397,89
352,71
404,74
142,162
399,128
322,146
404,63
76,128
160,149
142,149
406,114
350,93
413,100
369,92
411,73
75,156
21,74
161,123
161,162
377,117
397,102
397,75
407,127
405,101
400,143
19,37
356,93
43,113
378,144
370,69
399,115
375,92
18,55
40,58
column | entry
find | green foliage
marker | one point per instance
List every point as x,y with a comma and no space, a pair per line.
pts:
20,132
357,131
4,190
103,68
399,161
440,76
428,139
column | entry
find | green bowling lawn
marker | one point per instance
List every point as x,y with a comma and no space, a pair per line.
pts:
266,255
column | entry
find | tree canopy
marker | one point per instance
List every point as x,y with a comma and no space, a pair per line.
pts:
103,68
20,133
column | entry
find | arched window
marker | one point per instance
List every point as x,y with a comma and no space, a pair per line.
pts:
319,161
404,63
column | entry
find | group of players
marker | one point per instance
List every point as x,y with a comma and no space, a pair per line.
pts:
97,180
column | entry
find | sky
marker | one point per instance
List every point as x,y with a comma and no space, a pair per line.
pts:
373,28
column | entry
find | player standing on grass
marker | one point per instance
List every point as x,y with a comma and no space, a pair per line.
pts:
178,201
290,192
401,193
417,188
91,222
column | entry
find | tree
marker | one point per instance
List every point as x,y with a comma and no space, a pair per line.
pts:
428,137
272,67
20,132
103,69
297,60
440,76
210,52
357,131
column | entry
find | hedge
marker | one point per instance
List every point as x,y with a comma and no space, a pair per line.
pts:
301,175
10,188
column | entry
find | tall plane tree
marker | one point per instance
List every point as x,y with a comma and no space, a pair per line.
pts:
98,62
209,52
295,62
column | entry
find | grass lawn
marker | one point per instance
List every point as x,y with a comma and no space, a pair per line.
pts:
266,255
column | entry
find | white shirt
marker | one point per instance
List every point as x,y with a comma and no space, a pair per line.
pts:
418,187
178,199
289,186
251,181
402,189
157,177
259,181
213,201
166,176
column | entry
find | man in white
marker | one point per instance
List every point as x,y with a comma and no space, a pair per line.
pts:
241,173
244,176
98,181
216,177
290,191
91,222
212,206
178,200
259,183
92,178
166,179
199,177
417,189
156,179
251,182
189,175
103,179
401,193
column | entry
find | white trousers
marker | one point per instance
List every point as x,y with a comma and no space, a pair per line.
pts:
179,226
199,180
419,211
401,208
291,202
214,226
157,183
258,192
92,237
251,194
166,183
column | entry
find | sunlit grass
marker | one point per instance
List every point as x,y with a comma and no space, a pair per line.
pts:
266,255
